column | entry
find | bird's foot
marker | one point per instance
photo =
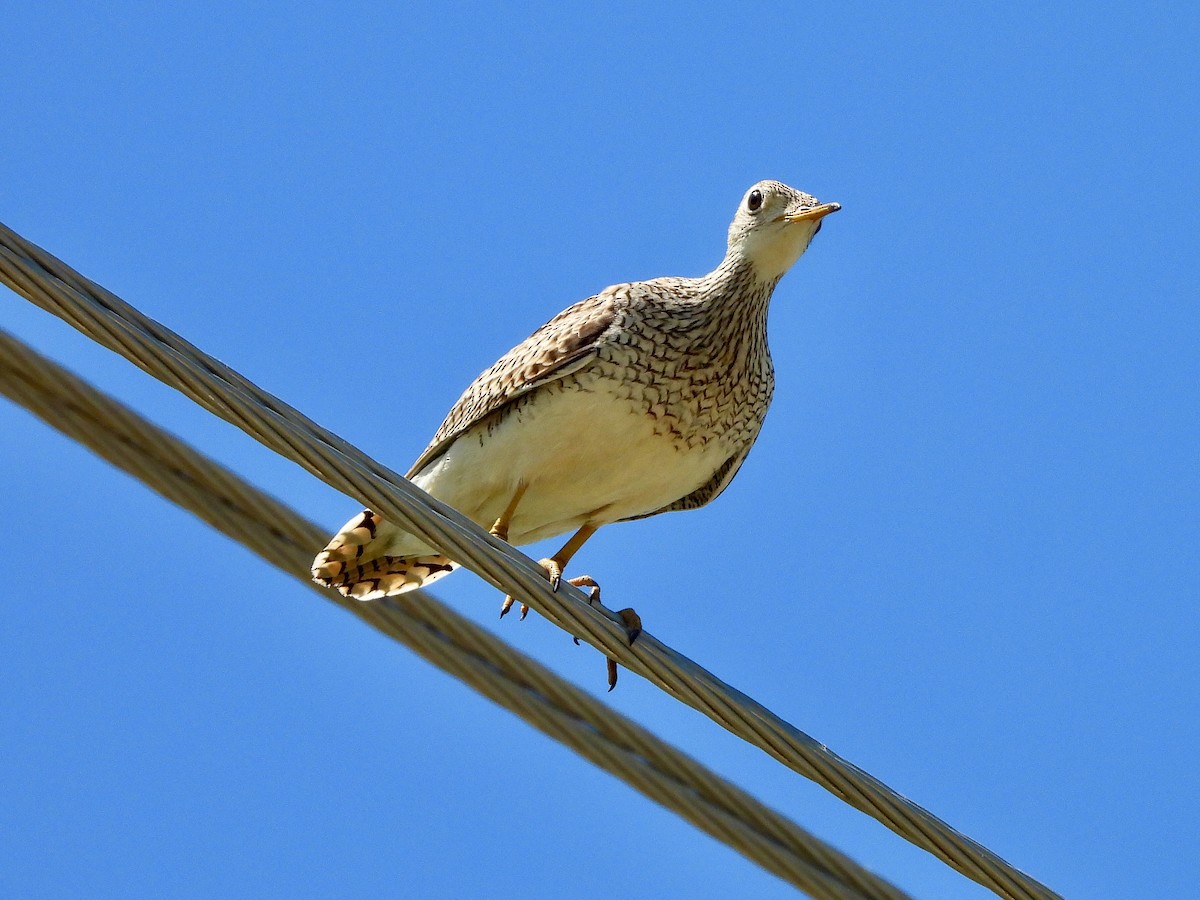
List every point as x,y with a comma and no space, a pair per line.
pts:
633,623
593,594
508,604
633,628
500,530
587,581
628,616
553,570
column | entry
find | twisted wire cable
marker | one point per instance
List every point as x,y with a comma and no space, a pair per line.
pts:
283,538
50,284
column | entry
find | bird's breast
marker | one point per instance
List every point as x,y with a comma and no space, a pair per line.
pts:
712,393
589,452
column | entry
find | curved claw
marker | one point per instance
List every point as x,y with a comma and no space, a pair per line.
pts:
593,595
553,572
633,623
508,604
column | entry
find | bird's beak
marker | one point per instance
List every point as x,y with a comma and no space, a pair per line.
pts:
812,214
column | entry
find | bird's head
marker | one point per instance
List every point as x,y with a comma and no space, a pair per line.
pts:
773,227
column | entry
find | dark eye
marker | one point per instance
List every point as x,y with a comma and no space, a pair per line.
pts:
754,201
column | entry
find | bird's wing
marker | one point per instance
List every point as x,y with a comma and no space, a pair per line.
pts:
707,492
565,344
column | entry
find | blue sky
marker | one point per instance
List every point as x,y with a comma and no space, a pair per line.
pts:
963,553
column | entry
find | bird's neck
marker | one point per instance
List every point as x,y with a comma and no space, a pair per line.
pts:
738,288
727,321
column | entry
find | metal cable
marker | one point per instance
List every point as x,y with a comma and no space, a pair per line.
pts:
50,284
280,536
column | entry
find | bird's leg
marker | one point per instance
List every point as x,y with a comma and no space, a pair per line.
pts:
633,622
593,594
554,567
633,627
500,530
589,582
555,564
629,616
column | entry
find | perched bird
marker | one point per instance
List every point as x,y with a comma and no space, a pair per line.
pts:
640,400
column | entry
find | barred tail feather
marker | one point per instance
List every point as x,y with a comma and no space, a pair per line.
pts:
385,576
348,565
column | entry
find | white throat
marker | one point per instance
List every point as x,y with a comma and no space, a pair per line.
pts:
771,252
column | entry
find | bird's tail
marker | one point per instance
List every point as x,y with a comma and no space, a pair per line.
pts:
347,565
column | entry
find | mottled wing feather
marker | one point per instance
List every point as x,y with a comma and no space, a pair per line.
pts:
707,492
563,345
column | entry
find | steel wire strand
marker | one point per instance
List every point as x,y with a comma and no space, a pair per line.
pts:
283,538
49,283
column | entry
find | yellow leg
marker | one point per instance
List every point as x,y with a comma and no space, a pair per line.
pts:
555,564
628,616
500,529
554,567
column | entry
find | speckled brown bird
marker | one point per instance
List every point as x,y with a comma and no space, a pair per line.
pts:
640,400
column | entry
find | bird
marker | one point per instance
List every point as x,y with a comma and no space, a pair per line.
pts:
642,399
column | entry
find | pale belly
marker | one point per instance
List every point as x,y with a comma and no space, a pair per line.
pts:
585,459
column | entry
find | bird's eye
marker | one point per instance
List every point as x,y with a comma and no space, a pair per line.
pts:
754,201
